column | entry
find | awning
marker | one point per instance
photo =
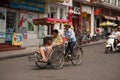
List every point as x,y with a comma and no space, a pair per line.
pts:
48,21
108,23
109,17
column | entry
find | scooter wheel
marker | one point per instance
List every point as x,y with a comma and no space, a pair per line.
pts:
106,50
118,49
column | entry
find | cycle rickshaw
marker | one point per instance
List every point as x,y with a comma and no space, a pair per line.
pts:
57,56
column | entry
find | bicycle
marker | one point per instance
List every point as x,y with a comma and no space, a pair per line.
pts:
58,57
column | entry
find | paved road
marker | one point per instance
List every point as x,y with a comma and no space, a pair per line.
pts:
96,66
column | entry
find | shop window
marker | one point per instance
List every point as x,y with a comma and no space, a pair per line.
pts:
11,22
113,2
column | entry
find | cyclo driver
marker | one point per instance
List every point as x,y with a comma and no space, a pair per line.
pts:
70,36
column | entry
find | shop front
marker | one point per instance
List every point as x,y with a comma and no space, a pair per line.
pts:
17,19
108,15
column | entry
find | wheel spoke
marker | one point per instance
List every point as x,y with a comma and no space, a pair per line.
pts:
57,59
78,55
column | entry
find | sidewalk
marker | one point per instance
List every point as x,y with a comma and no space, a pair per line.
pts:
30,50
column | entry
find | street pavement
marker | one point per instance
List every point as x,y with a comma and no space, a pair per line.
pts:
96,65
31,50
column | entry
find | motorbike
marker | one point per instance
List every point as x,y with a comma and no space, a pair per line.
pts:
112,45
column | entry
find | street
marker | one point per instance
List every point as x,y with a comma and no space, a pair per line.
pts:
96,65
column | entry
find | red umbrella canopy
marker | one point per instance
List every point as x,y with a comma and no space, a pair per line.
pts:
48,21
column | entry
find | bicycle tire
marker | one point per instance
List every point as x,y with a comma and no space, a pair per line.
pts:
40,64
57,59
77,56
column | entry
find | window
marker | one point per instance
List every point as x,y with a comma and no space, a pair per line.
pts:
113,2
106,1
61,13
119,3
102,0
53,12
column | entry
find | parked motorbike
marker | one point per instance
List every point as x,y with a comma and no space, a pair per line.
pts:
94,37
112,45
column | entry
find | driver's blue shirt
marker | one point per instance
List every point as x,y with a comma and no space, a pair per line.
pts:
70,35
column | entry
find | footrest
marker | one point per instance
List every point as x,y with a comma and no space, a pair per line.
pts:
34,58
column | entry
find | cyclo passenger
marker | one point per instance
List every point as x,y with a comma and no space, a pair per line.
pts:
70,36
45,50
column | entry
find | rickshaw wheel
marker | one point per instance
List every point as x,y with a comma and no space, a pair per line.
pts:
77,56
57,59
40,64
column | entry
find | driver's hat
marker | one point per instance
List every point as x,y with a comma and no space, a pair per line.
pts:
67,25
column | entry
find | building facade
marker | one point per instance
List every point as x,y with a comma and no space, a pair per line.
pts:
17,16
110,11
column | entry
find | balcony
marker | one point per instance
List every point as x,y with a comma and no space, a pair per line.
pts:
107,4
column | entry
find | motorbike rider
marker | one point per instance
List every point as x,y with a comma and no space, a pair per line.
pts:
119,33
116,34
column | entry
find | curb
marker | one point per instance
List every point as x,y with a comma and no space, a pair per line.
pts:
85,45
15,56
30,53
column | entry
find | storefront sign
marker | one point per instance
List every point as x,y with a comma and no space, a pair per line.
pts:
26,24
33,5
84,14
87,9
17,39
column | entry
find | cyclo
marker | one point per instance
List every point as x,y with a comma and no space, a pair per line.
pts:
57,56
